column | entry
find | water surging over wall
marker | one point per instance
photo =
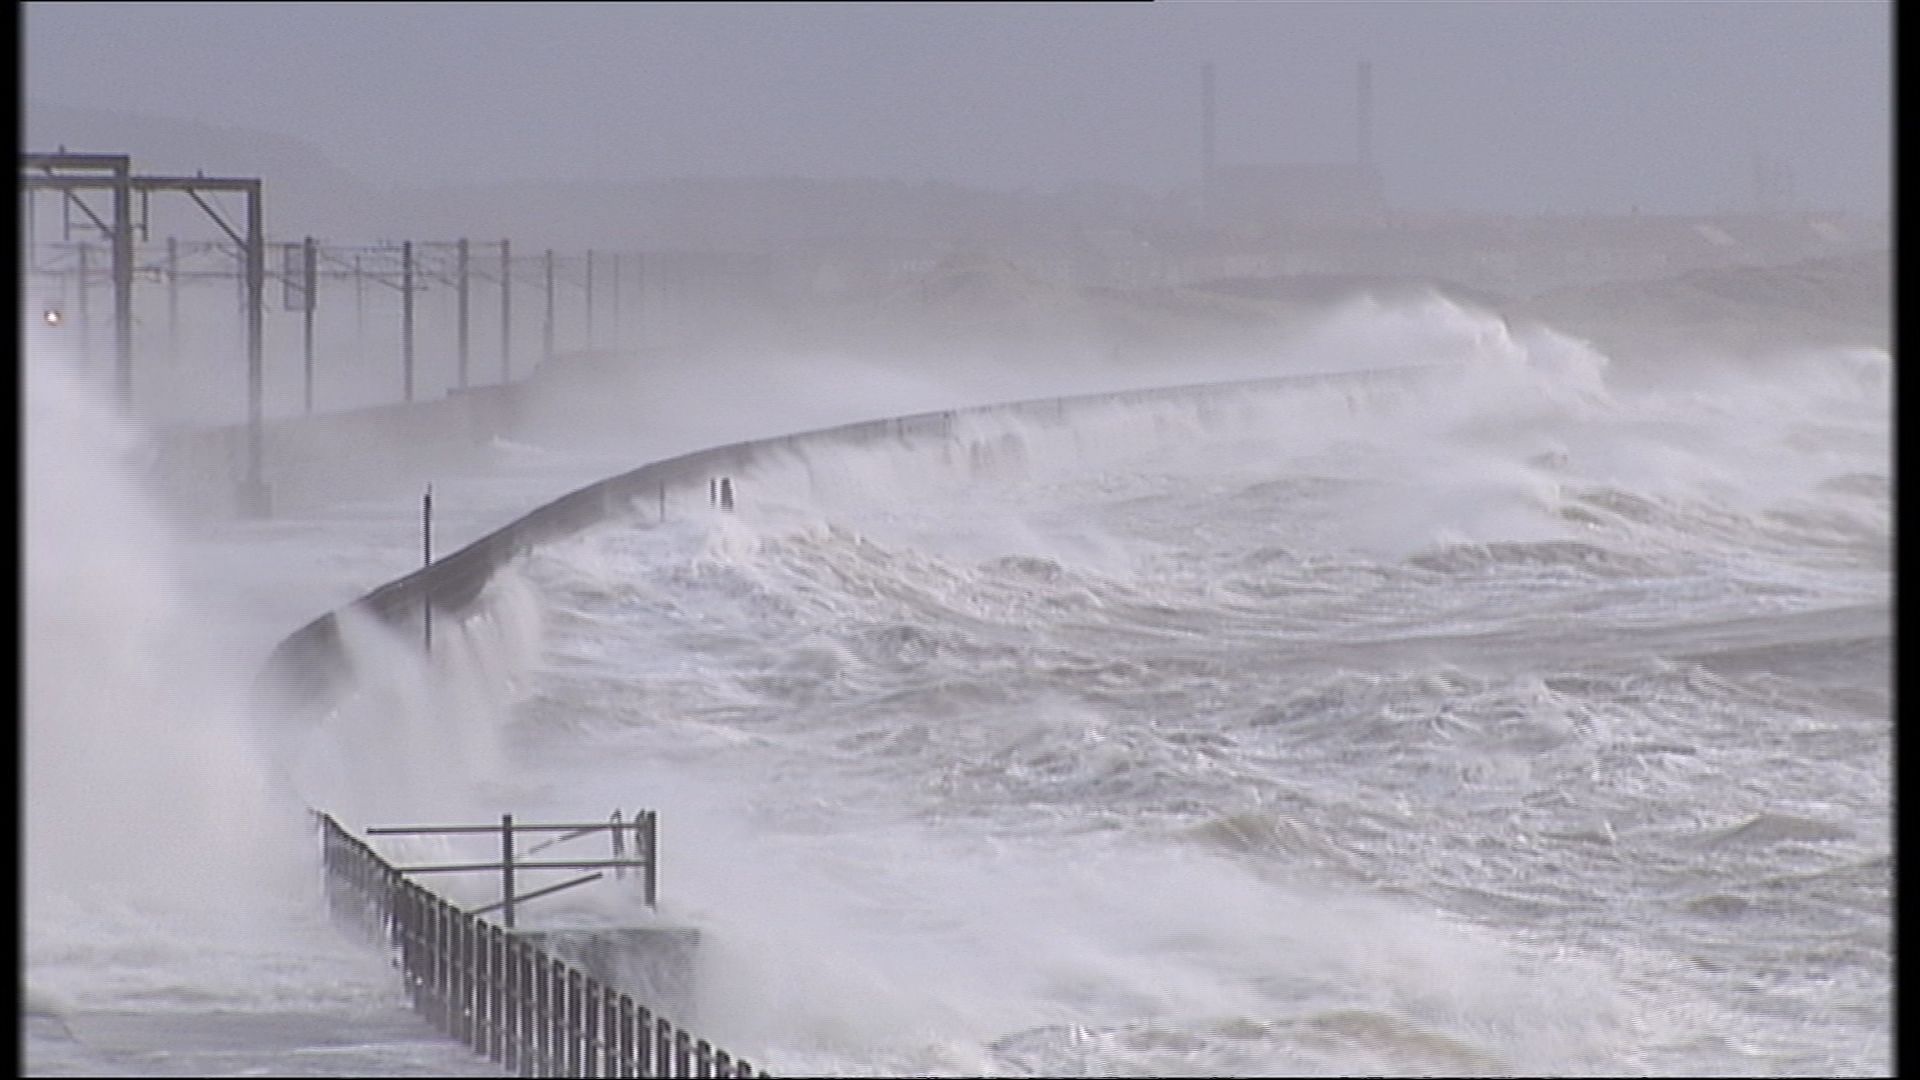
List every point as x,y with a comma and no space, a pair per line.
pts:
1411,728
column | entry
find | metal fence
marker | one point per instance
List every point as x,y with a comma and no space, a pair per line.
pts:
533,1014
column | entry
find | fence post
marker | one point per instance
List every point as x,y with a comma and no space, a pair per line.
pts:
423,953
534,1063
515,1057
442,961
458,984
662,1047
410,945
613,1034
499,993
540,1002
480,982
572,1018
555,1019
591,1010
641,1041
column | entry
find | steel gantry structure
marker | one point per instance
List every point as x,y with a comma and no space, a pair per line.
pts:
73,173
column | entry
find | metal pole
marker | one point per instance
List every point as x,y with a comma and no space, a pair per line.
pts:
618,835
81,305
426,560
506,870
173,297
640,299
506,312
123,282
406,315
311,267
653,856
589,298
546,331
256,306
462,299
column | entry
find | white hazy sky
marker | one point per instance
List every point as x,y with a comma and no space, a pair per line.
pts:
1482,106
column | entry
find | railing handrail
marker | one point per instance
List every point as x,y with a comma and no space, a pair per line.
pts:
392,830
499,992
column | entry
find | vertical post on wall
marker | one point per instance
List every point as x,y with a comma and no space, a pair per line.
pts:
546,330
426,560
589,298
506,870
173,298
460,290
406,315
311,266
506,312
640,300
256,494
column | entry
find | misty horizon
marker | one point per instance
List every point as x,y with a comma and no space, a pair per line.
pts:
1679,109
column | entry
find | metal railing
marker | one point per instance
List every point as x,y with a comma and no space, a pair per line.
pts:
644,859
497,992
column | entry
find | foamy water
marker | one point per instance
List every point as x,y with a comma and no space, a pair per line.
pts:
1517,720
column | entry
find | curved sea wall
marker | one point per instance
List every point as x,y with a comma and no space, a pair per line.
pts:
308,670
